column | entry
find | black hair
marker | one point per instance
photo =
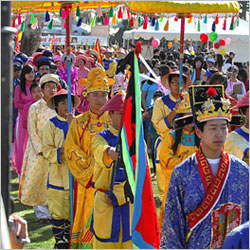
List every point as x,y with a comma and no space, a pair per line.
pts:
243,73
178,135
26,70
162,55
60,98
198,58
34,85
218,77
42,63
200,125
243,109
219,61
173,75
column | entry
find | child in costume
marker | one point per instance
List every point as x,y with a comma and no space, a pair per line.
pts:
33,190
111,217
79,156
53,136
177,145
237,142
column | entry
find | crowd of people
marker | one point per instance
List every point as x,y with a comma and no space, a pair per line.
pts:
201,169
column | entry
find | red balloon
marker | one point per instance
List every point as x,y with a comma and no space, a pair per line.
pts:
204,37
216,45
222,42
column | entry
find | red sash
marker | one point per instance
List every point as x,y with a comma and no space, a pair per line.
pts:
212,185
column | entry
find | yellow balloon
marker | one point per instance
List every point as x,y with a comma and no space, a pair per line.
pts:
170,44
222,51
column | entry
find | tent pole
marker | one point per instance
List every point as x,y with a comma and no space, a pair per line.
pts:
181,50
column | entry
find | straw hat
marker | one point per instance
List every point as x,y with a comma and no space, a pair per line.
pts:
82,57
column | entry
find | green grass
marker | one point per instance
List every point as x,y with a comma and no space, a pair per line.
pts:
40,234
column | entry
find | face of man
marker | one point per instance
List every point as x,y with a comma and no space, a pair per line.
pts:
213,137
62,108
96,100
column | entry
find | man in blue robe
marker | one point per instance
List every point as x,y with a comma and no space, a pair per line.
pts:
208,194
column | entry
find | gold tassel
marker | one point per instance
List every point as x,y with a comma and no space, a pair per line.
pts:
166,26
114,20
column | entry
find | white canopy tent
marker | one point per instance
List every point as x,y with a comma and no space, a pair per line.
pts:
239,36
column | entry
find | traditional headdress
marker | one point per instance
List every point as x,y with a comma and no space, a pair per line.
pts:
209,103
49,78
96,81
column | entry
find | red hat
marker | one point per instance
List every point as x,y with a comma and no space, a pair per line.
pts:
244,101
109,50
50,102
115,103
91,59
36,56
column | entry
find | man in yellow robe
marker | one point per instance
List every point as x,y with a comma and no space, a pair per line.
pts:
112,218
79,156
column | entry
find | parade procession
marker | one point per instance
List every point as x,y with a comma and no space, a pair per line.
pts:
125,125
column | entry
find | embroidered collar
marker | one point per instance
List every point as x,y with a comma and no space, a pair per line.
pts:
113,130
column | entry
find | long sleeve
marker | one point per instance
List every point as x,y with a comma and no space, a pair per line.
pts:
174,224
25,114
32,129
18,103
159,118
79,162
50,151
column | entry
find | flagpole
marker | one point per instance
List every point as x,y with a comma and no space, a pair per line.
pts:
181,50
68,60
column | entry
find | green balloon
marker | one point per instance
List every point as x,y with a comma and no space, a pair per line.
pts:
213,36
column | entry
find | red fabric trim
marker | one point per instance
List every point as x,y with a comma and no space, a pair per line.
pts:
213,187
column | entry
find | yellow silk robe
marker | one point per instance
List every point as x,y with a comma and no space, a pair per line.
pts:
105,219
238,145
169,160
33,189
80,160
162,107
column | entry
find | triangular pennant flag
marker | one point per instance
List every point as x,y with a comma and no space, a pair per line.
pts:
79,22
114,21
199,26
166,27
128,13
50,25
205,19
93,22
60,12
32,19
23,26
99,11
214,27
156,25
47,17
111,12
19,19
217,20
78,12
120,13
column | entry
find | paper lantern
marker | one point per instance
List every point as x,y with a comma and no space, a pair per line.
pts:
170,45
228,41
145,23
217,19
204,37
222,42
213,36
155,43
217,45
